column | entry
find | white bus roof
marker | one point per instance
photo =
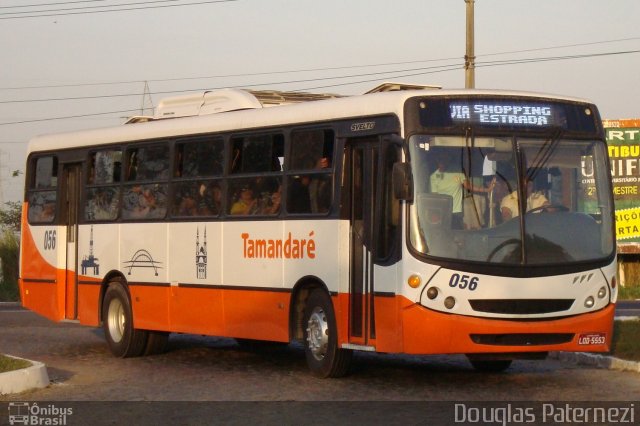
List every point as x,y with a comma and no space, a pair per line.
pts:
248,110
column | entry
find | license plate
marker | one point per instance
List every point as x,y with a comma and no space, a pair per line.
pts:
592,339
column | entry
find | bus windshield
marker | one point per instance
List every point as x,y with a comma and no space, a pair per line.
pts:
510,200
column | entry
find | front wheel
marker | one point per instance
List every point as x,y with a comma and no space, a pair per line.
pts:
324,357
117,323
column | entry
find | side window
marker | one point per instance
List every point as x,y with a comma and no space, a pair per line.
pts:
257,153
103,190
42,189
199,158
148,163
390,206
310,181
197,188
144,197
256,195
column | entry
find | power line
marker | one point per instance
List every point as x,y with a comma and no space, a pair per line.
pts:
291,71
69,116
117,10
453,67
50,4
411,73
75,98
88,7
479,64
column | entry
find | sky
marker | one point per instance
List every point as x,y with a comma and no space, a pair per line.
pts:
92,63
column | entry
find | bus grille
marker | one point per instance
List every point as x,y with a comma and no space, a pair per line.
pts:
521,306
523,339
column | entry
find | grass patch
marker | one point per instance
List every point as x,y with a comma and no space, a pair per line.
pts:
9,291
629,292
9,253
626,340
10,364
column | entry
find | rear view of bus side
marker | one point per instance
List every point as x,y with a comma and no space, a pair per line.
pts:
418,221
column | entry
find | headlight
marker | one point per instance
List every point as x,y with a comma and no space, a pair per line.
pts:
432,293
589,302
602,292
449,302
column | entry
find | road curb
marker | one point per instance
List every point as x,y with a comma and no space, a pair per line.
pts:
17,381
595,360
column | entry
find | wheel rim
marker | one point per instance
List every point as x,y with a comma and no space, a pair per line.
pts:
318,333
116,320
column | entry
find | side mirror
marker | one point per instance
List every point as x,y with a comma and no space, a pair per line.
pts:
402,181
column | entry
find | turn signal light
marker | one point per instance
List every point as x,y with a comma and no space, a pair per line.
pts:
414,281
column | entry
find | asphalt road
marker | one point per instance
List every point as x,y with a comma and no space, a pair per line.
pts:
211,380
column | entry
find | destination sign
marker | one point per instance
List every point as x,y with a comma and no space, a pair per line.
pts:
506,113
490,113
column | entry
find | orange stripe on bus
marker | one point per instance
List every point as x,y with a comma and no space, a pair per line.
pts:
45,298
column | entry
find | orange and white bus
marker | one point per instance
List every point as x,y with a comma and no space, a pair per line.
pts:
418,221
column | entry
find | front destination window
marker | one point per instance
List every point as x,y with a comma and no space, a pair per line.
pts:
510,197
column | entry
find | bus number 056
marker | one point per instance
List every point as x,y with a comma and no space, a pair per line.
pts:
50,240
464,281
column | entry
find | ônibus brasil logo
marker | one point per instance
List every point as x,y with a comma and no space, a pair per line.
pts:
25,413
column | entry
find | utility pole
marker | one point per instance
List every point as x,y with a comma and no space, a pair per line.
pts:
469,57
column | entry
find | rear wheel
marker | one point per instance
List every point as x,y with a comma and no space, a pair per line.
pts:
324,357
117,323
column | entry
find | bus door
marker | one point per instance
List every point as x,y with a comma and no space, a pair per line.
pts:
71,176
362,157
373,213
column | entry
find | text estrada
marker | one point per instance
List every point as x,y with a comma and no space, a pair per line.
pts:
290,248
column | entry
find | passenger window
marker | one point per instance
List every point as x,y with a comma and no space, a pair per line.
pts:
42,190
197,198
257,153
105,167
143,202
199,158
103,190
148,163
46,173
310,189
311,149
255,196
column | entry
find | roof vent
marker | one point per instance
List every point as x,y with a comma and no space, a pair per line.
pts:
394,87
210,102
225,100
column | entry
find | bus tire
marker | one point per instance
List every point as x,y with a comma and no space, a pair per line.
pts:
156,343
491,366
324,357
117,322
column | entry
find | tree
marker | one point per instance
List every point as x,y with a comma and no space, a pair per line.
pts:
10,216
9,250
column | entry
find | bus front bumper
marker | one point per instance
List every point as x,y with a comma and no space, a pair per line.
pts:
429,332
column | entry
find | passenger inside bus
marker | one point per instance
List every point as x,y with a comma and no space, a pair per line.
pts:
536,200
450,179
246,203
311,193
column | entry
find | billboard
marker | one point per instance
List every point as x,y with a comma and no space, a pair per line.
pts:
623,140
